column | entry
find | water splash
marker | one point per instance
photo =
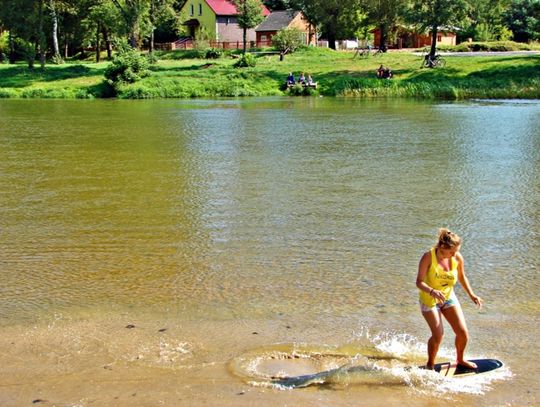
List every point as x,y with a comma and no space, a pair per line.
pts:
384,359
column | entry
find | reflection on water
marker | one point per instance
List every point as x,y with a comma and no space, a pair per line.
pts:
206,206
306,212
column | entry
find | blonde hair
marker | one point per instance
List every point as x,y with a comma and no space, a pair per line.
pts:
447,239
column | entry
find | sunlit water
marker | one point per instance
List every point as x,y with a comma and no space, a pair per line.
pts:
182,251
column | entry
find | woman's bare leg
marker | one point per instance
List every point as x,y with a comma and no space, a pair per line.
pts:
434,320
456,319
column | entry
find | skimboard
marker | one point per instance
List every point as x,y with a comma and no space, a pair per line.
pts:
448,369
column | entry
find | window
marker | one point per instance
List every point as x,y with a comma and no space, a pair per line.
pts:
191,9
439,37
200,9
263,37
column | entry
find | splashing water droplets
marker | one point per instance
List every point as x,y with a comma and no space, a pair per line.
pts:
384,359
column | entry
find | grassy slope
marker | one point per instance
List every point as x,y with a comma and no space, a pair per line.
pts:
336,72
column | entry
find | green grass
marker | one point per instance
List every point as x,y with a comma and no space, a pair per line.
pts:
179,75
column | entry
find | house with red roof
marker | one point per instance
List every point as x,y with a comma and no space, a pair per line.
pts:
214,20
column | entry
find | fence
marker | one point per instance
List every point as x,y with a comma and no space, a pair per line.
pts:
187,43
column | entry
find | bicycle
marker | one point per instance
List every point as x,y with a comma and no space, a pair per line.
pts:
362,52
436,62
379,52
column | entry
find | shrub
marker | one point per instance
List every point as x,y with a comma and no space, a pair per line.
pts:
127,67
245,61
152,58
27,50
57,59
213,53
7,93
4,47
138,91
287,40
299,90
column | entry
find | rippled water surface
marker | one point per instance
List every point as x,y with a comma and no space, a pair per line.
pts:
232,225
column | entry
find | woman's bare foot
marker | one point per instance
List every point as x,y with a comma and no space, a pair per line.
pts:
428,367
466,364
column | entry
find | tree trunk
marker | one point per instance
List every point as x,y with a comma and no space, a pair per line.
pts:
153,29
98,45
66,46
244,37
41,36
107,43
434,33
133,40
331,40
56,48
331,31
384,35
11,49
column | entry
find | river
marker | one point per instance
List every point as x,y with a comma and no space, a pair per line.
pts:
188,252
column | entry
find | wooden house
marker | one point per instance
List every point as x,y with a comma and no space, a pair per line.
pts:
278,20
407,38
214,20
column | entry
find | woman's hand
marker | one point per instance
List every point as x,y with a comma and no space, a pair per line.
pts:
477,300
438,295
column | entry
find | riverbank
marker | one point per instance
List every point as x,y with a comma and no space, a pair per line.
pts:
179,75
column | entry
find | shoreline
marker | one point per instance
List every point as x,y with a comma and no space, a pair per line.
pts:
177,75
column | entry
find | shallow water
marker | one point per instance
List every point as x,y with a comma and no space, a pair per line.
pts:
222,229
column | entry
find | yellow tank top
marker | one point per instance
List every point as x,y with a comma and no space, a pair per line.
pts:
439,279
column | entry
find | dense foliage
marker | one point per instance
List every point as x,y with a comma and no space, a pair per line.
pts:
129,66
246,61
34,30
287,40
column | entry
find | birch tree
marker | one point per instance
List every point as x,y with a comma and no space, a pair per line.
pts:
249,16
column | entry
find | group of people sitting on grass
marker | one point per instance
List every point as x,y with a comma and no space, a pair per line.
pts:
384,73
302,80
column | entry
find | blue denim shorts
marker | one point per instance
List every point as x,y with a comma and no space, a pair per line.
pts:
450,302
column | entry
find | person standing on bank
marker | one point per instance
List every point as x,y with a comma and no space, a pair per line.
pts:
438,271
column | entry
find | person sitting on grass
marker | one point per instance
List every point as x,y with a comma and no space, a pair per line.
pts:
290,79
384,73
302,79
310,81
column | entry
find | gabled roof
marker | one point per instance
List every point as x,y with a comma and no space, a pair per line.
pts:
227,8
277,20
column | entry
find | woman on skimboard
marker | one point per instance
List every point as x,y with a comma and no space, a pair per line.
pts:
438,271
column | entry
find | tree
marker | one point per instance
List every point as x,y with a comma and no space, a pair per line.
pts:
437,14
134,13
57,10
24,21
523,19
103,20
249,16
41,41
485,21
160,11
338,19
287,39
277,4
385,14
